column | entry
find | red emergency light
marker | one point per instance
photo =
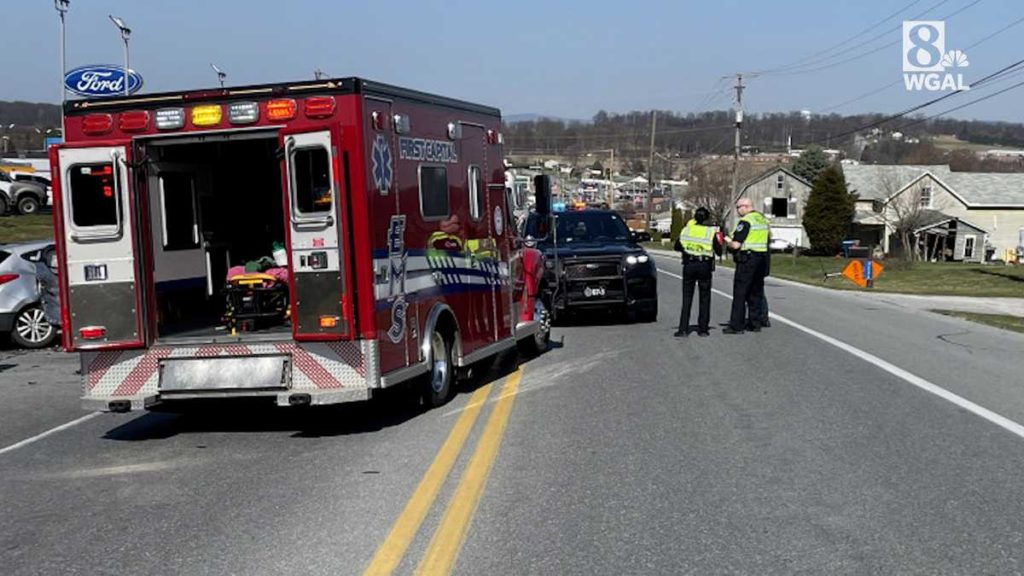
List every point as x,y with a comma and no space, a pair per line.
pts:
319,106
94,124
280,110
135,121
92,332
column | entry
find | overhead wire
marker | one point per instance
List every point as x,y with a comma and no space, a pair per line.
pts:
897,82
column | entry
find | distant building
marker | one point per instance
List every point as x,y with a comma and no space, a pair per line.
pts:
781,195
968,210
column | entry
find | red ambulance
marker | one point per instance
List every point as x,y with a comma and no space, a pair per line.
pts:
310,243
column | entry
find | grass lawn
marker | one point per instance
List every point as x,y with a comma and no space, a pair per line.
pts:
945,278
940,278
1015,323
17,228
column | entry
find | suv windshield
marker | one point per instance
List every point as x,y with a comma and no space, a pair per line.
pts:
581,228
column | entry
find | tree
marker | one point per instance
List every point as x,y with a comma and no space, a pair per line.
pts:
829,212
597,166
711,187
677,223
811,163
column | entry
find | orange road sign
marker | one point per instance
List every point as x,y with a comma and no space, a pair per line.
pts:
862,275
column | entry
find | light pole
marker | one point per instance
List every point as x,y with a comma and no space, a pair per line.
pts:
125,33
62,7
221,75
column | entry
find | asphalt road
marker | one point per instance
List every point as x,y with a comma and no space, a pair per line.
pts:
816,446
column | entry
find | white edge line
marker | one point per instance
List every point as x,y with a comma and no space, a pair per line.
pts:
998,420
49,432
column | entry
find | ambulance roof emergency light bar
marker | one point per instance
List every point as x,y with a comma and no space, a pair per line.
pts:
125,33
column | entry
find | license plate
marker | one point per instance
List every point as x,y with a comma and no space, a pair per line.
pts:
593,292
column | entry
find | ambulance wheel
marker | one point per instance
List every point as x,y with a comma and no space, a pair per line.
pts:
437,389
537,343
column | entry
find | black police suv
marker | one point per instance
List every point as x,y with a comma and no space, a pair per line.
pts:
592,262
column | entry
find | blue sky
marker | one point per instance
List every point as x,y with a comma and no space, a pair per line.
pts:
568,59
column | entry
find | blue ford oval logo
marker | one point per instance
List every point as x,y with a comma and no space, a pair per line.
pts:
101,80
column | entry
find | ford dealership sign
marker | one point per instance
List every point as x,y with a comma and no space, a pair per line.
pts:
101,80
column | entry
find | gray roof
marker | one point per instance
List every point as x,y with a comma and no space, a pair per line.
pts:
878,182
981,188
977,189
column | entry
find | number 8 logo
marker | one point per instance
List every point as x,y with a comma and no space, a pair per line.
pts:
924,38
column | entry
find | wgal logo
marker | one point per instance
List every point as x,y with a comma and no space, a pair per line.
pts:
926,64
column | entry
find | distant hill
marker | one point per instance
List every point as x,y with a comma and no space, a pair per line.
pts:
534,117
29,114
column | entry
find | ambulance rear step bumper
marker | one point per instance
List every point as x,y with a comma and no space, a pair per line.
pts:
280,398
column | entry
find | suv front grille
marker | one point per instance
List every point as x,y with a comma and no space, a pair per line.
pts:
585,270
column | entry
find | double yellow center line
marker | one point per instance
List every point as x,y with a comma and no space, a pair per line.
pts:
450,534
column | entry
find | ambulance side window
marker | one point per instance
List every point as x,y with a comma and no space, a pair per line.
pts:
476,196
93,195
311,180
434,192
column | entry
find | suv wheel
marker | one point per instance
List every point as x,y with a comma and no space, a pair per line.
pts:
28,204
31,329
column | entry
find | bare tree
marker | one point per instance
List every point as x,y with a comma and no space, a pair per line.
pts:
905,210
711,187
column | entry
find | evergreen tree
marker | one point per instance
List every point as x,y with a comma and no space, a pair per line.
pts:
811,163
829,212
677,223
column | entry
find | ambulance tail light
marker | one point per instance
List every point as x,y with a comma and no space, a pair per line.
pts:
137,121
92,332
495,137
281,110
207,115
243,112
170,118
94,124
319,106
329,321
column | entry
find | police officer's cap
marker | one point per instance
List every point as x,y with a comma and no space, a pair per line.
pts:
702,215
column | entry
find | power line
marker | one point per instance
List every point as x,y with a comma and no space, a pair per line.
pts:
804,70
913,109
813,56
631,135
894,83
962,106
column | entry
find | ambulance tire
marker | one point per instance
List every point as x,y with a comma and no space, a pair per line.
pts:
537,343
440,380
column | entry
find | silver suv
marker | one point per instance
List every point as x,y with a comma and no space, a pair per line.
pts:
24,279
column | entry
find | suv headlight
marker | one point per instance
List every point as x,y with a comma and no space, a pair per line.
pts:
633,260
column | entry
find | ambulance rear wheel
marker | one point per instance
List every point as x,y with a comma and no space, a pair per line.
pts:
537,343
437,389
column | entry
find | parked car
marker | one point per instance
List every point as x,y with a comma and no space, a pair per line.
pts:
23,279
780,245
39,180
25,197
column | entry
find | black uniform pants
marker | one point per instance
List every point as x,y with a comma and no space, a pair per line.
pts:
748,290
696,272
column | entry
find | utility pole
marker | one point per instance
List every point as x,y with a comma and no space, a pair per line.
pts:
650,168
736,148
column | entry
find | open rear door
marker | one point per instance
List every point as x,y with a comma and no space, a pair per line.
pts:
96,227
316,213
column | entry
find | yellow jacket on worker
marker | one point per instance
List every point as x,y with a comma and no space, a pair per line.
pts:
697,239
757,236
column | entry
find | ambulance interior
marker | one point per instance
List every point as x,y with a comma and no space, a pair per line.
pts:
217,214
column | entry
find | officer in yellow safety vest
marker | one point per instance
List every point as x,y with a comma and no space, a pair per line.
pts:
699,244
749,245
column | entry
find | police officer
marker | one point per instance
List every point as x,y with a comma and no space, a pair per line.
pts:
749,245
699,244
